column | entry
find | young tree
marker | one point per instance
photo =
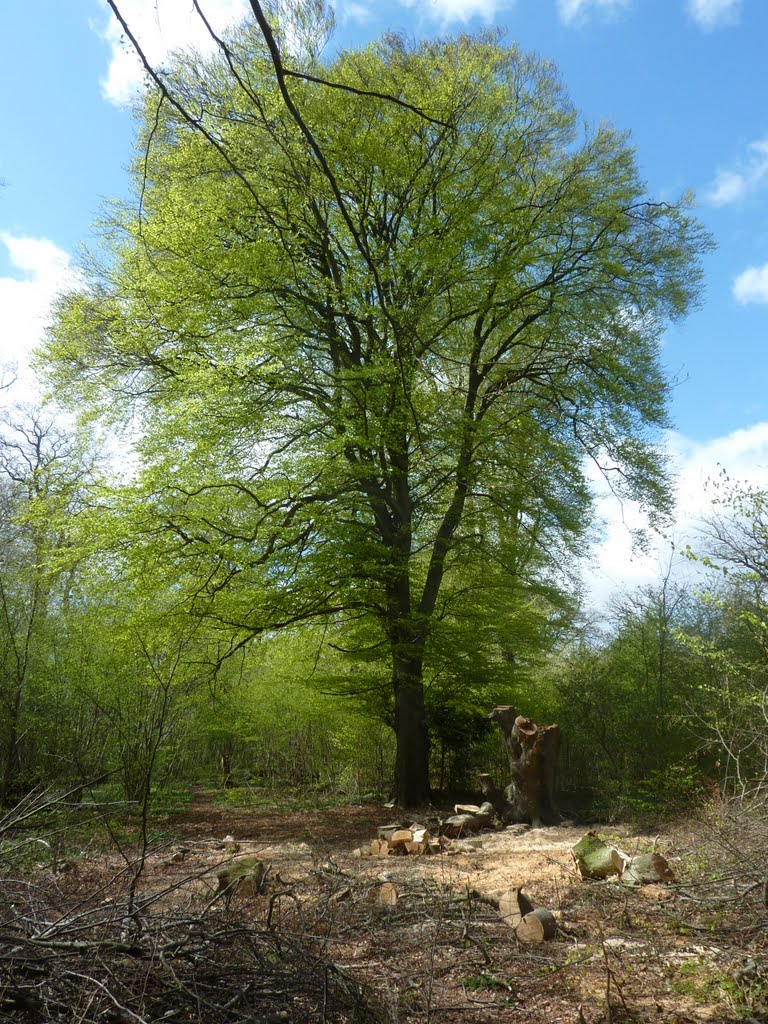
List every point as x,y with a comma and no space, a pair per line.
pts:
373,329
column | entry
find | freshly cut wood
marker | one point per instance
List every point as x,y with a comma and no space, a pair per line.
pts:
386,894
420,834
464,824
387,831
594,858
379,848
537,926
647,867
402,836
466,809
416,848
513,906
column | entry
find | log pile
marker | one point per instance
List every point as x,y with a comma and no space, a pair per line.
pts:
394,840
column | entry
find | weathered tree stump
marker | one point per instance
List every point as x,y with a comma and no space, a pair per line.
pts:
532,751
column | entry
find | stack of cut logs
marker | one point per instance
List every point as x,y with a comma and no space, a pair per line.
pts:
394,839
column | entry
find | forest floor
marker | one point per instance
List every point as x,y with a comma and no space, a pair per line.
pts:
689,952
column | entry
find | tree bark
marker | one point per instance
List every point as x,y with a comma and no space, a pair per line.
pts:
532,751
412,755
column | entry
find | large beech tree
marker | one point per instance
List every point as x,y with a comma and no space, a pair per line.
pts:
374,328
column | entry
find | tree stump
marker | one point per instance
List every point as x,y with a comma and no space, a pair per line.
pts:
532,751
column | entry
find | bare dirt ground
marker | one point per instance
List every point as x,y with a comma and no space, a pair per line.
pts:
316,944
661,953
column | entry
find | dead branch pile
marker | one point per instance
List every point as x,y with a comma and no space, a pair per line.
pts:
122,960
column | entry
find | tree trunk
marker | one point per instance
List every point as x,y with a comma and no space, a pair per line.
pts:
532,751
412,757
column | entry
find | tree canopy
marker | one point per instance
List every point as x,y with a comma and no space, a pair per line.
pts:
374,332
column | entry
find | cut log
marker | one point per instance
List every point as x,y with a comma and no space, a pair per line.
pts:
416,848
646,868
379,848
594,858
537,926
466,809
513,906
399,838
387,831
532,751
464,824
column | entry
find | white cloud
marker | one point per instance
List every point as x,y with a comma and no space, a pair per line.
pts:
615,566
26,304
353,11
159,27
711,14
732,185
752,285
447,11
579,10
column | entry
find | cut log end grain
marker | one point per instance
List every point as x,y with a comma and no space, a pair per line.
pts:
513,906
537,926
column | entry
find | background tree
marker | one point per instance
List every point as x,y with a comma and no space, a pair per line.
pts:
42,476
373,340
731,709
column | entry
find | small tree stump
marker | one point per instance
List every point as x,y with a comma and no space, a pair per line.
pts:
537,926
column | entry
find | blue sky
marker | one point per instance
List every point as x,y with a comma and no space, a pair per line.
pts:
685,77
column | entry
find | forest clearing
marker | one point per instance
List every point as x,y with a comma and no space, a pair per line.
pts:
149,936
306,713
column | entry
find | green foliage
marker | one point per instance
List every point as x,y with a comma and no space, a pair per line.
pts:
371,345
